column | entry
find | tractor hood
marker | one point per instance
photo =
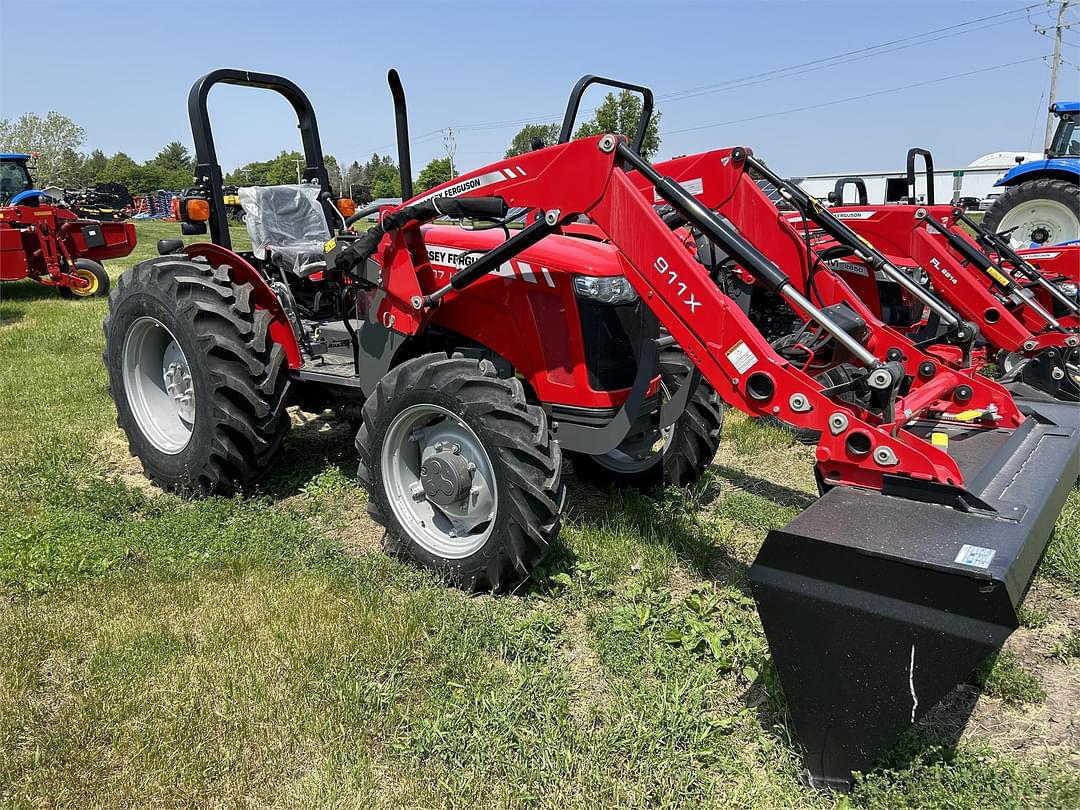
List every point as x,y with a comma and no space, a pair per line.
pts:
581,254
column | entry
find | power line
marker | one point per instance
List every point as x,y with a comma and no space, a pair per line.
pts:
822,63
730,83
789,110
772,75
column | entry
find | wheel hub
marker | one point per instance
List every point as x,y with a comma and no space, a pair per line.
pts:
439,480
177,379
446,477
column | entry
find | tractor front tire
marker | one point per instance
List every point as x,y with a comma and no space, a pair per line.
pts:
461,471
1042,211
689,445
97,281
199,386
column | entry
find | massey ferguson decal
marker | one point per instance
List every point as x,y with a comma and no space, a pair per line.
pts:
464,186
446,261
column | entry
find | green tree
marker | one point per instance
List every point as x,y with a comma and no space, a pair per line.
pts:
356,183
279,171
621,114
174,156
55,139
94,166
435,173
120,168
333,173
382,174
546,134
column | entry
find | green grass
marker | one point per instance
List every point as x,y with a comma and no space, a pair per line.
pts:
1003,676
261,650
1068,648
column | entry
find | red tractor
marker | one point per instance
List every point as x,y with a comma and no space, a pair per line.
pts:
473,358
45,241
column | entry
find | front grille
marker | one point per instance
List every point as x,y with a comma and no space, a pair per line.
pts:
612,335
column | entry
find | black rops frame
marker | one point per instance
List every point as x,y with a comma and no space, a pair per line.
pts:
567,130
208,175
928,170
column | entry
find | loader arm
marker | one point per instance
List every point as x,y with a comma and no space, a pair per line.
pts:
721,180
857,447
974,289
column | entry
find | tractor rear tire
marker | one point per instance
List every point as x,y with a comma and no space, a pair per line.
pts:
461,471
95,276
689,445
1047,211
199,386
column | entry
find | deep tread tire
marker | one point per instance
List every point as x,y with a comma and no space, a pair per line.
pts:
99,273
526,459
1060,191
238,372
694,440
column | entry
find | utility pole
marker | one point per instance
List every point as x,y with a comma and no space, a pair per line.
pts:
297,160
1062,5
451,148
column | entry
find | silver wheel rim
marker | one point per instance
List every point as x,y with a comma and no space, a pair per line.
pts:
439,481
1011,361
1044,222
628,459
157,381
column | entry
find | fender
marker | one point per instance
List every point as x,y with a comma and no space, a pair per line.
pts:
30,193
1054,168
245,272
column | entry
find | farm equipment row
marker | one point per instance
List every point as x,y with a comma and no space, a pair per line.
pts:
473,358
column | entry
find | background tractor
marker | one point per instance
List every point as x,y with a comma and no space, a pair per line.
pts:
46,241
1041,201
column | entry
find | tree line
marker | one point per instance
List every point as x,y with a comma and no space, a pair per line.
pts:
56,139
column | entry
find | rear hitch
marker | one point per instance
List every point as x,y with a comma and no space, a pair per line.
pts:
876,606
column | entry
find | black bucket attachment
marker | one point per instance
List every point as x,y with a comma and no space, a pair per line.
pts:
876,606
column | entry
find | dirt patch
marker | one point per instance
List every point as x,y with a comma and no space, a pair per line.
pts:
119,462
589,696
360,534
1046,731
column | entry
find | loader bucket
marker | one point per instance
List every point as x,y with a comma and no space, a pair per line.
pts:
876,606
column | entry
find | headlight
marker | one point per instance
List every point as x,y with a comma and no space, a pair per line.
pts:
605,289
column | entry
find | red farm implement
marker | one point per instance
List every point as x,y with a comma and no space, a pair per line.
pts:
45,241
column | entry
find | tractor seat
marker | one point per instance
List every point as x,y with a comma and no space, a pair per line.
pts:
286,225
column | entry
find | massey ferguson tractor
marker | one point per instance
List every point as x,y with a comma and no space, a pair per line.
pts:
473,358
46,241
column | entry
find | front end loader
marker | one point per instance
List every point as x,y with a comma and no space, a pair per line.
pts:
908,269
939,489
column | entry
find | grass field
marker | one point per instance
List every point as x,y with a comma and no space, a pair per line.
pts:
262,651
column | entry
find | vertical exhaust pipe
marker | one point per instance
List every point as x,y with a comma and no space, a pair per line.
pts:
401,122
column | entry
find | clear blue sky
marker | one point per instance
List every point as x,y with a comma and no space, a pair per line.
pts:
122,70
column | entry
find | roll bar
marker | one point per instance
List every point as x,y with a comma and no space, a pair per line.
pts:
567,130
208,174
928,167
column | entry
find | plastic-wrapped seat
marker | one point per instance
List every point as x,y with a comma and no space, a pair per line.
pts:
286,225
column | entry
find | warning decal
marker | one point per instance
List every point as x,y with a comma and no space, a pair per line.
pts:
975,556
741,357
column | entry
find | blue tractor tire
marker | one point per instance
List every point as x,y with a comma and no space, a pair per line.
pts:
1043,211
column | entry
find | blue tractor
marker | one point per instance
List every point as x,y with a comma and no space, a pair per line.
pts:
1041,202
